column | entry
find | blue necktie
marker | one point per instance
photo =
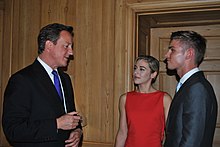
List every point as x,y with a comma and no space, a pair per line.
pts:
178,86
57,84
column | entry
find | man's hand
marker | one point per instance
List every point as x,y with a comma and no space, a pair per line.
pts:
68,121
74,138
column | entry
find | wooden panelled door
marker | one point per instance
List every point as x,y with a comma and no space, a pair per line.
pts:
211,64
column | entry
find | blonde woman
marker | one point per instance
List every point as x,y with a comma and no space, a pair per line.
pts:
143,112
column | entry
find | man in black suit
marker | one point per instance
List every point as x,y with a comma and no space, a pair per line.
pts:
34,114
192,116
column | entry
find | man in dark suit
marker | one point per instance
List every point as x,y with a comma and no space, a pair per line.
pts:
34,114
192,116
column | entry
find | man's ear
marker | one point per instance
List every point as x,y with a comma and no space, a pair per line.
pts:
48,45
190,52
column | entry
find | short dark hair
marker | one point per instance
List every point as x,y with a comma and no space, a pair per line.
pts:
153,63
194,40
51,32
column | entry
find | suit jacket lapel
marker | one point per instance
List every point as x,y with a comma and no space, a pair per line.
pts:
47,86
67,89
180,95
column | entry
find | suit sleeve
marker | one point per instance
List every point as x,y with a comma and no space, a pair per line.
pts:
17,125
194,115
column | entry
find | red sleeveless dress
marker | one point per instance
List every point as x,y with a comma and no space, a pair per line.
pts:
145,119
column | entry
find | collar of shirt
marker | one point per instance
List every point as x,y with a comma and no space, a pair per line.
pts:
189,74
46,67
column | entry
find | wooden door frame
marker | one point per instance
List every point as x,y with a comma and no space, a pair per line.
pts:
133,11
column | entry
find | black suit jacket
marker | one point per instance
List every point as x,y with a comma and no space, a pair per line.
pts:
192,116
31,106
